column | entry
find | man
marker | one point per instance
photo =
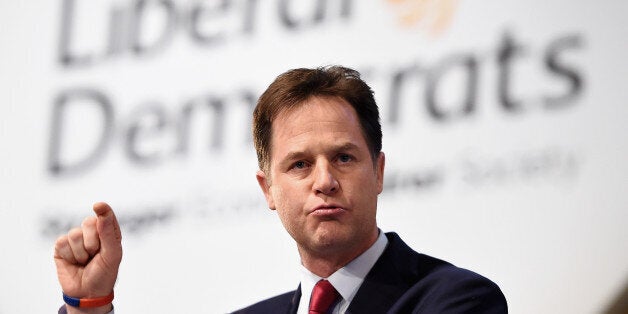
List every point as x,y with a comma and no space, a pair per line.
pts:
318,141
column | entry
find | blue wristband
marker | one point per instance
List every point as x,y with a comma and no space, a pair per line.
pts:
71,301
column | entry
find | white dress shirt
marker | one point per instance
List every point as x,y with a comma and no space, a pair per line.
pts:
346,280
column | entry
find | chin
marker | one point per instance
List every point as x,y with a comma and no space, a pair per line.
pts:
333,238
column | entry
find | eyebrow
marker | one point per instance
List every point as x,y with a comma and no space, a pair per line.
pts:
345,147
294,155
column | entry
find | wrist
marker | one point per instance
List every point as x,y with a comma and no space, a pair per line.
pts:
99,305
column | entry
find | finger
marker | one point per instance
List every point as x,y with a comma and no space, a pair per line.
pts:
75,238
108,233
90,236
63,250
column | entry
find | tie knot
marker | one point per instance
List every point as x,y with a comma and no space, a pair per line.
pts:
323,296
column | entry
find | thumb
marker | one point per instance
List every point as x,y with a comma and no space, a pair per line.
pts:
108,232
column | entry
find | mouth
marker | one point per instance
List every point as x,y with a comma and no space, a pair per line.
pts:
327,210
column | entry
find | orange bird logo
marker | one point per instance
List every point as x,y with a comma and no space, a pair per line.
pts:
432,15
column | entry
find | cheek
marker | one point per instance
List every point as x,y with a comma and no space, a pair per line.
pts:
363,189
278,195
288,212
285,201
364,181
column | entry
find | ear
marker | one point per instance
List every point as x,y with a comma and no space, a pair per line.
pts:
379,171
264,184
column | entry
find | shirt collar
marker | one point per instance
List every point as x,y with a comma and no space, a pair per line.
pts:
348,279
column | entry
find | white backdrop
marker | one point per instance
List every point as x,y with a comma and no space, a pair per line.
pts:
504,131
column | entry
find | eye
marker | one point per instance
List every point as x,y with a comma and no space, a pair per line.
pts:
345,158
299,165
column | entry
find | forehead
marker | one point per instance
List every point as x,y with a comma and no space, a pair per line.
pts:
316,109
316,121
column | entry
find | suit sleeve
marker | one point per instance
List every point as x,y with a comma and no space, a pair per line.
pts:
62,310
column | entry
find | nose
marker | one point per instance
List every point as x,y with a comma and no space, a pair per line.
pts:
324,180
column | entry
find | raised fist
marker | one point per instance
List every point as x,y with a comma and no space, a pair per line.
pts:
88,258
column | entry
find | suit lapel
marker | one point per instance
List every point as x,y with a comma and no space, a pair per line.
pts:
294,302
388,280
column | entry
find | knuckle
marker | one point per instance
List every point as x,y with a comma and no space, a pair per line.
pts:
61,242
81,258
92,247
88,222
75,234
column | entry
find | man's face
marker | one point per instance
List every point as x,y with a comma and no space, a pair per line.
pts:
322,181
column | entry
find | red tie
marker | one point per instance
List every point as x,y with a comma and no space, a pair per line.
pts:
323,296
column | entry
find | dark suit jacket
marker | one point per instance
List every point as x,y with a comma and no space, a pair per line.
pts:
404,281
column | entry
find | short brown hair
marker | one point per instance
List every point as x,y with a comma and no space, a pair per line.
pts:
294,87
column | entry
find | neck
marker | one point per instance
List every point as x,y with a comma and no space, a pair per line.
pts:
325,263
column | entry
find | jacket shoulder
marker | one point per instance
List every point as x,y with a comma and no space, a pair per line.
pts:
430,285
278,304
449,289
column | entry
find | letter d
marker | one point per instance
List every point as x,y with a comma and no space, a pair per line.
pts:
77,97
